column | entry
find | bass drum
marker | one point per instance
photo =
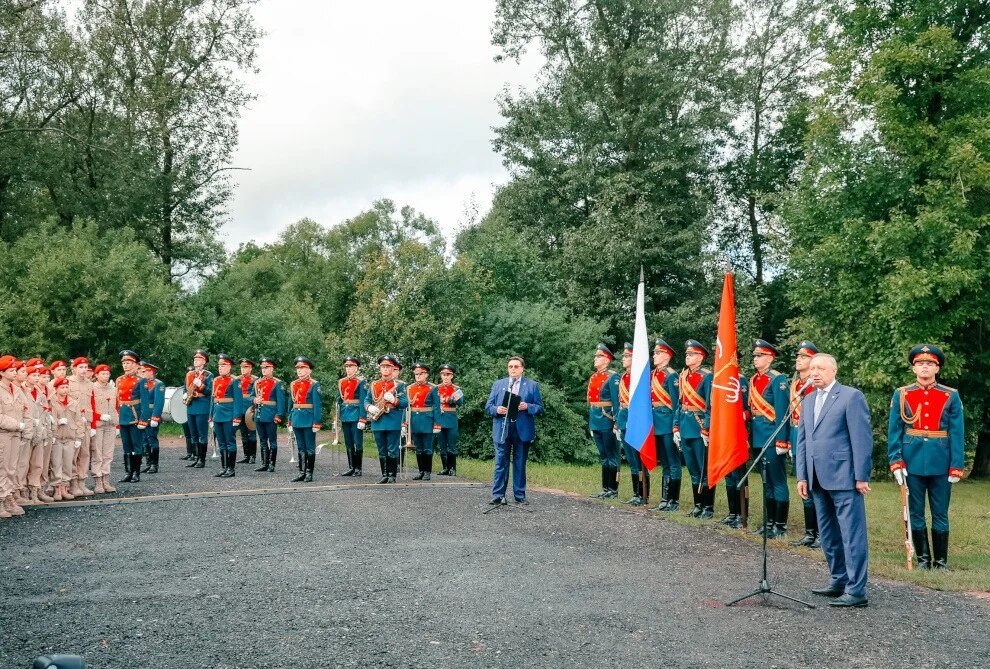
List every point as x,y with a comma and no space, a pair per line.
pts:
175,408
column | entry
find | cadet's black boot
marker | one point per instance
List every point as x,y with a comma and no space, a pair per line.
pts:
452,464
358,461
420,465
612,483
664,500
385,463
921,550
147,463
443,465
264,459
601,493
393,468
195,457
696,511
301,461
635,499
231,463
810,527
709,504
940,550
771,513
780,520
202,457
272,457
135,468
247,456
674,495
350,463
127,468
154,461
223,463
732,499
303,458
310,465
381,463
427,466
254,453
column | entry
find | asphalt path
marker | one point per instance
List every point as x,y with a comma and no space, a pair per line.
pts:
186,570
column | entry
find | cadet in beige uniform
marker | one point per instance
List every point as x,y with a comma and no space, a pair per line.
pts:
102,445
13,421
40,416
21,495
70,426
81,390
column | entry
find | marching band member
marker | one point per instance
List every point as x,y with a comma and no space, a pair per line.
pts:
198,388
349,392
225,414
249,438
451,399
305,417
424,419
269,401
153,404
129,396
383,404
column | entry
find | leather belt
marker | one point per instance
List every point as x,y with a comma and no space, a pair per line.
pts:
934,434
354,402
302,406
657,405
420,409
223,400
448,409
600,405
132,403
267,403
692,410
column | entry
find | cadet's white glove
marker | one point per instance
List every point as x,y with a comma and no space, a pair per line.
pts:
361,424
153,423
457,395
141,426
389,397
21,427
92,432
436,429
782,451
706,439
198,383
677,439
116,432
372,409
104,418
953,479
402,432
900,475
63,421
77,443
316,429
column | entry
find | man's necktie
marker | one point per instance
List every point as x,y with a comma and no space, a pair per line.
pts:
819,404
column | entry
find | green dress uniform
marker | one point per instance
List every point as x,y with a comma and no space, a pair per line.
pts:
691,422
451,400
603,404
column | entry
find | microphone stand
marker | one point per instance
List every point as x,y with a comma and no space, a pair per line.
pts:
765,588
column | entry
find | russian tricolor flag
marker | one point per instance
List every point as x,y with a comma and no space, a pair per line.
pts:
639,428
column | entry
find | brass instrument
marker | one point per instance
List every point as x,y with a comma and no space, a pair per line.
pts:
383,406
191,395
249,414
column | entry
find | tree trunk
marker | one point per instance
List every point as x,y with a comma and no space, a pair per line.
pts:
167,205
981,463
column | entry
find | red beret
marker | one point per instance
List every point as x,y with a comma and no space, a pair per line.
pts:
34,362
18,364
6,362
57,364
60,382
43,370
101,368
81,360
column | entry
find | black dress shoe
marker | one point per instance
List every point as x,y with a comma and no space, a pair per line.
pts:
849,601
498,501
806,540
522,501
830,591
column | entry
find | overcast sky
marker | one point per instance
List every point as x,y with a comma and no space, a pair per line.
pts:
360,101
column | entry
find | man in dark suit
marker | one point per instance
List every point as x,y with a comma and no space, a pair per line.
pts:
513,436
834,459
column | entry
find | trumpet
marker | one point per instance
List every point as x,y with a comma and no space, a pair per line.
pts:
191,393
383,406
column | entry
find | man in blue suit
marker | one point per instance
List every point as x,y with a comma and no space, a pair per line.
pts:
513,437
834,459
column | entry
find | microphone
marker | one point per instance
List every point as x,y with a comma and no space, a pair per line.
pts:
805,386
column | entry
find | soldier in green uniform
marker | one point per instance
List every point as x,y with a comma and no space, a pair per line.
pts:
383,405
153,404
424,419
926,450
800,387
768,405
451,399
666,397
691,425
603,404
640,476
349,391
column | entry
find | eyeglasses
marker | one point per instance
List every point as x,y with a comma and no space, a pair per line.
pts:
515,366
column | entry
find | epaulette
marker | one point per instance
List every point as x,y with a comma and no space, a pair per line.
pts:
671,370
705,370
945,387
773,373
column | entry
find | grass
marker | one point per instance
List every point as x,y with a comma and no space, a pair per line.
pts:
969,516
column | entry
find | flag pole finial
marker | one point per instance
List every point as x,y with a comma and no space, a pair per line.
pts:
641,275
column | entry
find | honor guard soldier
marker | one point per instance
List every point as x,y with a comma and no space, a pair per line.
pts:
769,404
640,477
451,399
198,388
306,414
270,406
691,425
105,395
666,397
926,450
603,404
349,392
129,402
249,437
225,412
735,486
424,419
382,406
81,390
799,388
151,414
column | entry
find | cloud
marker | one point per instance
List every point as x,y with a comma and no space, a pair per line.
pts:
358,101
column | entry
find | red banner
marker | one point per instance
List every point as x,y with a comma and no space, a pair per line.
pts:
727,447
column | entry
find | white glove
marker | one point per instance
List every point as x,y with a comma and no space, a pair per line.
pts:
677,439
372,409
104,418
402,432
953,479
436,430
361,424
705,439
20,427
140,426
198,383
63,421
782,451
389,397
77,443
116,432
316,429
900,475
457,395
153,423
92,432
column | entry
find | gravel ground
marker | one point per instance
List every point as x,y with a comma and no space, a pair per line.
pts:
351,574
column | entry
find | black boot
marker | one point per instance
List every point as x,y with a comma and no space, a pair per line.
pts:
272,457
636,499
921,550
732,499
147,463
381,463
451,464
421,466
696,511
940,550
195,457
135,468
310,465
444,470
780,520
709,504
358,461
247,456
771,513
664,494
223,463
303,459
127,468
673,495
264,459
427,466
231,464
254,453
611,483
601,493
154,461
810,527
350,463
393,468
200,456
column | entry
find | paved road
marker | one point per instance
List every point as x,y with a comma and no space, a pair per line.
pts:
351,574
